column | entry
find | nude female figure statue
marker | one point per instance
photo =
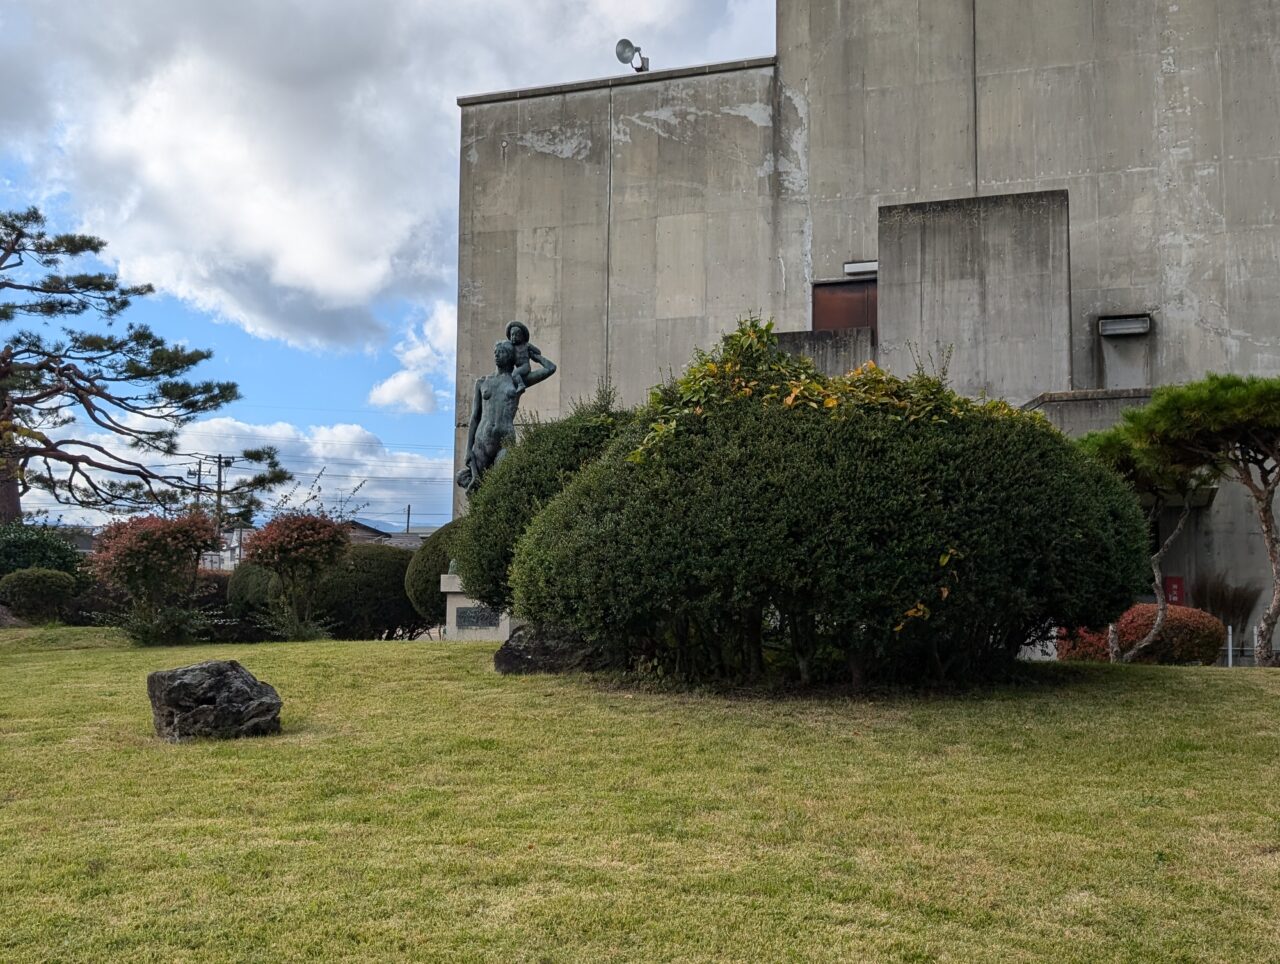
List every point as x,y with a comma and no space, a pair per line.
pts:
493,411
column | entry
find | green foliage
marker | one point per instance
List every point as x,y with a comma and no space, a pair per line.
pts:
1149,472
363,595
29,546
422,578
155,561
24,238
37,594
129,383
1224,425
298,547
251,589
902,532
95,603
1222,421
546,456
1188,637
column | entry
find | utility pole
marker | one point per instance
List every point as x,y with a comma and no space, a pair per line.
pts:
223,462
198,475
408,509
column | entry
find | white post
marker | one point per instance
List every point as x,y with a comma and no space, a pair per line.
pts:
1230,646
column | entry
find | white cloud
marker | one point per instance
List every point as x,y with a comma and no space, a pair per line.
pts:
286,165
343,457
428,350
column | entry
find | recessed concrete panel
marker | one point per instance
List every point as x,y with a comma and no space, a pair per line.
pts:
986,280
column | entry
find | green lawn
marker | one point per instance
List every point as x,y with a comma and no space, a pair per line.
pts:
419,806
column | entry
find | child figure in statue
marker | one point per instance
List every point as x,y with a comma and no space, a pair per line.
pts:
518,335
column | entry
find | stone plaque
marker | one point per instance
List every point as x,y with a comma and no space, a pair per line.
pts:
477,617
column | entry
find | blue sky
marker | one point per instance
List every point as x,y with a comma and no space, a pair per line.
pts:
286,175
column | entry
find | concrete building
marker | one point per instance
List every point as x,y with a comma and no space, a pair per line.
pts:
1080,198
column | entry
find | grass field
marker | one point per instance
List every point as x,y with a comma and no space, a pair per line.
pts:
419,806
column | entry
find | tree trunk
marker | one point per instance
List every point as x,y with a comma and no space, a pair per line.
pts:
10,492
1266,629
1157,576
10,470
755,643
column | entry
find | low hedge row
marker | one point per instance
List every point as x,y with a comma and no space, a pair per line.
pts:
1189,637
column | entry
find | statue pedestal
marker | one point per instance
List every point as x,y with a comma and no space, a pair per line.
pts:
468,621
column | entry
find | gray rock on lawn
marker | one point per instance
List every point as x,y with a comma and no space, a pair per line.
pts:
219,699
545,649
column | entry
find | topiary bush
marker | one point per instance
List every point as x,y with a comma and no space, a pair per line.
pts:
37,594
95,603
298,547
422,578
35,547
1189,637
251,589
363,595
869,526
155,561
535,468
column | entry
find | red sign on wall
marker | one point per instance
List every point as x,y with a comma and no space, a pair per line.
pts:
1175,590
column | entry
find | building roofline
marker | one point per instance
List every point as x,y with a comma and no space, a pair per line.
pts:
1088,395
622,80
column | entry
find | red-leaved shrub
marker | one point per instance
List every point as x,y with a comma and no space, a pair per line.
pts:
298,547
1189,636
154,560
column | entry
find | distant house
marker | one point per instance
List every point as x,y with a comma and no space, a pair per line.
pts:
361,532
83,538
412,539
232,552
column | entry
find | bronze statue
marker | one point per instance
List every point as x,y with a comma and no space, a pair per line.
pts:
494,404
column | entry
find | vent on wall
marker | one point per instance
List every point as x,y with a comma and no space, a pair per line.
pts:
1123,326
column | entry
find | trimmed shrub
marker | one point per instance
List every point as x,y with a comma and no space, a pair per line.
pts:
422,578
37,594
212,586
251,589
95,603
534,470
871,526
224,623
298,548
1189,637
35,547
363,596
155,560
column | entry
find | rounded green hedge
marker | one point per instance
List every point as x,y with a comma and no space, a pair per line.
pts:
544,458
363,596
910,535
422,578
251,589
37,593
35,547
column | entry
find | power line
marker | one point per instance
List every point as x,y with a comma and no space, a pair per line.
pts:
312,441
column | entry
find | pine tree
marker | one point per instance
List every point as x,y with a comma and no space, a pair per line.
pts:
59,393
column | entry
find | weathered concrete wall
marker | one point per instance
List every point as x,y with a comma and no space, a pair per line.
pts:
1079,413
691,223
986,280
834,352
883,114
1161,119
625,221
